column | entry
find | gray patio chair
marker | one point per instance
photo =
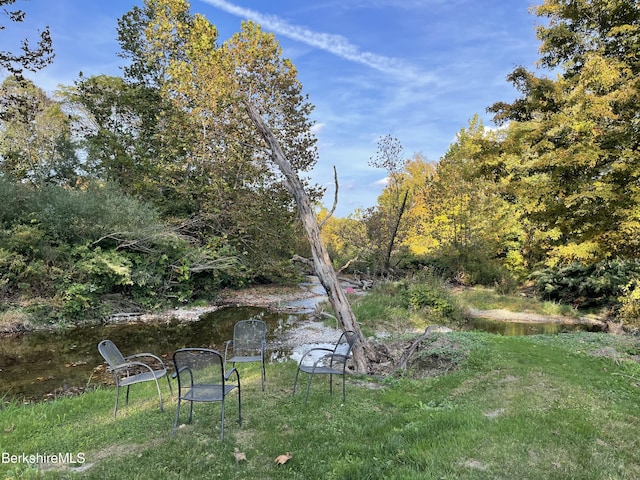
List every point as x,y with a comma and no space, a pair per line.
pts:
248,345
332,362
202,378
130,370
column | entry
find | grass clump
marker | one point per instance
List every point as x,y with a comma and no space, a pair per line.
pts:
406,306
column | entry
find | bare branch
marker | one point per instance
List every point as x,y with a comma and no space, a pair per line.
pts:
346,265
335,199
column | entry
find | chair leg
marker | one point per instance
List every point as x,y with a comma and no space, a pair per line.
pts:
239,406
115,410
127,400
175,424
308,387
222,420
295,382
344,390
263,375
170,387
159,395
331,384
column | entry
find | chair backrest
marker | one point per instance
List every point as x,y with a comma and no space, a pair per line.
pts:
345,343
249,336
198,366
111,354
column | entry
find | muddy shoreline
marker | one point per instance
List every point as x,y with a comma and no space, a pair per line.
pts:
275,298
281,299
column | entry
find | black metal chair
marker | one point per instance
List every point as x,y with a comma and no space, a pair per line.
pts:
202,378
248,345
333,362
130,370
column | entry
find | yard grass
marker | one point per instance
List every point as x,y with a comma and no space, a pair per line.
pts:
539,407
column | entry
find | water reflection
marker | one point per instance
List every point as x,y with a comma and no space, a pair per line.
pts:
525,328
36,364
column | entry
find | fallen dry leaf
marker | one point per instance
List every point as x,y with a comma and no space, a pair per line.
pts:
281,459
238,455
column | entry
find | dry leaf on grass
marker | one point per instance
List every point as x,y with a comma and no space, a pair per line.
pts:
282,459
238,455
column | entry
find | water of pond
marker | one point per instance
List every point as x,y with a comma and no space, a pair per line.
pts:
34,365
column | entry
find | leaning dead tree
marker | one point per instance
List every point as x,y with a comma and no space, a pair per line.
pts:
363,352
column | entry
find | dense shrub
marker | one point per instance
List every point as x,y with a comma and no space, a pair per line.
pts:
464,266
629,311
71,248
430,296
594,285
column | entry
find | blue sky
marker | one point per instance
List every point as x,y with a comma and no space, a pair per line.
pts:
415,69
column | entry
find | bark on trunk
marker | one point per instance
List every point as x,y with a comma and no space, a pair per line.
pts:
322,264
394,233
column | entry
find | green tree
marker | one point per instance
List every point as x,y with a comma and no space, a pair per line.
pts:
461,212
215,158
35,136
347,241
576,170
132,137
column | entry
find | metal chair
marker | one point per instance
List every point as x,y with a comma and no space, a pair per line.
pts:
201,378
248,345
333,362
130,370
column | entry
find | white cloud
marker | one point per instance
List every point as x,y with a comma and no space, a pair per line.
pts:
317,128
383,182
335,44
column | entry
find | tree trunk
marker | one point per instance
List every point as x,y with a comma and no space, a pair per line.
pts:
322,264
394,233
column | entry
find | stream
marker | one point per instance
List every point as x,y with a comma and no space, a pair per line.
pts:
44,364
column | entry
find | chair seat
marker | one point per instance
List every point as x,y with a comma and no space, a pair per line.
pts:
331,362
142,377
202,378
206,393
320,369
239,359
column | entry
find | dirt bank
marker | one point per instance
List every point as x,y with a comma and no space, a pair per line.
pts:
528,317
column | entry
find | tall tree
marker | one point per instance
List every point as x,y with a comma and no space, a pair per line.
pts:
35,136
384,220
221,166
578,172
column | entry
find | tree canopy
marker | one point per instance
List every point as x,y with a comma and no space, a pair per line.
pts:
553,188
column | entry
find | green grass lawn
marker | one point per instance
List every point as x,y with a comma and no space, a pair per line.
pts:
540,407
